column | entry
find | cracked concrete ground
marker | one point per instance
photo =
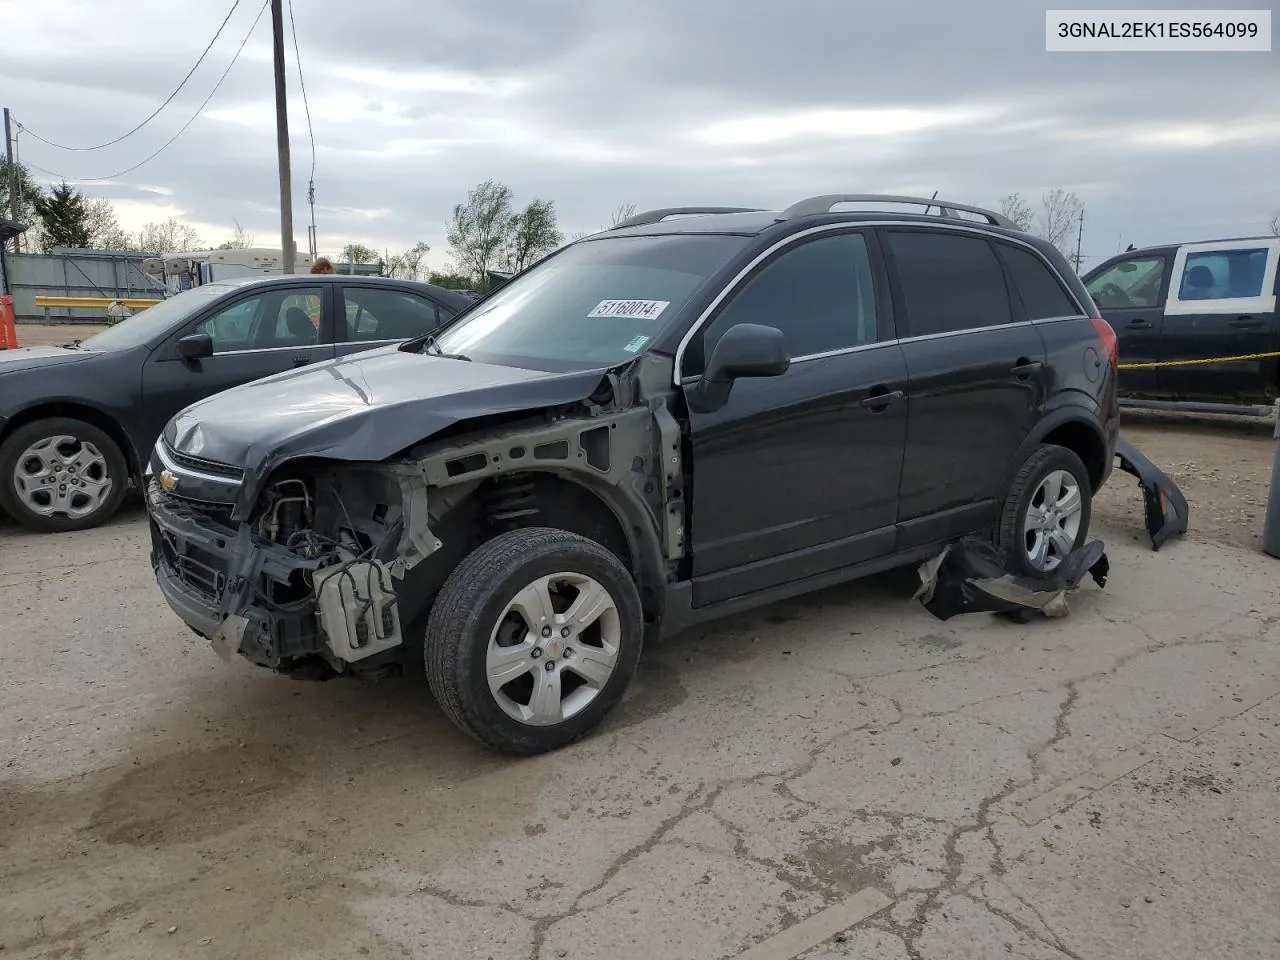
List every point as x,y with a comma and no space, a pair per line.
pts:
1009,790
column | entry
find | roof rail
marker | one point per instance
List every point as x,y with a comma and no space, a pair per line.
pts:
823,204
657,216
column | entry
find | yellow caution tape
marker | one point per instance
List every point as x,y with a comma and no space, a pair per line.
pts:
1197,363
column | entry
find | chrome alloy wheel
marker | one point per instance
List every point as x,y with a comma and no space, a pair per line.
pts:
554,648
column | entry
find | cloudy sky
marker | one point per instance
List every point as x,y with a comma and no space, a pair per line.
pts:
595,103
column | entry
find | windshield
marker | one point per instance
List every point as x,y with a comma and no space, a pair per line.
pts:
144,326
594,304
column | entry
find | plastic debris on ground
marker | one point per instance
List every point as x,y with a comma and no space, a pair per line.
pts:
969,576
1166,507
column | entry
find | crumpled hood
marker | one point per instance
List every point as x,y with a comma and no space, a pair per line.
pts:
365,407
27,358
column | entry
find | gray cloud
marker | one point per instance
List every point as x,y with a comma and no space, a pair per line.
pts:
670,101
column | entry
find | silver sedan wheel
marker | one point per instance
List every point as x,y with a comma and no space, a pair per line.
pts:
553,649
62,477
1053,520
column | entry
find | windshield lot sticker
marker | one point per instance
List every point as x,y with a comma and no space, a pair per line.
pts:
635,345
630,309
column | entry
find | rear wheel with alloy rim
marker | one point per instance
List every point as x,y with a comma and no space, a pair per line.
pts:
533,639
1046,512
61,474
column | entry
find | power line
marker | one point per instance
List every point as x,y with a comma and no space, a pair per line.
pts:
311,183
167,143
167,101
297,55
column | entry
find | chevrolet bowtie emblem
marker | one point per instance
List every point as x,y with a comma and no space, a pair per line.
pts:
168,481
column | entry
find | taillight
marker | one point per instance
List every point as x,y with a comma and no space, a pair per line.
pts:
1110,342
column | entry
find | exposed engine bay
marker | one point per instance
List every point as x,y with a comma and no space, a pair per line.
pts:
334,568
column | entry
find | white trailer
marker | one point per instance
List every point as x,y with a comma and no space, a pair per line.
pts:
182,271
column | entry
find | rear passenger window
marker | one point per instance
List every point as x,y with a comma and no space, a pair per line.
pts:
1042,295
949,282
819,293
1223,275
381,314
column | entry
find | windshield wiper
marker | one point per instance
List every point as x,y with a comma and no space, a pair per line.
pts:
433,347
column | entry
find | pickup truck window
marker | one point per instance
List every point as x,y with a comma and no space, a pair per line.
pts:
1223,274
1129,284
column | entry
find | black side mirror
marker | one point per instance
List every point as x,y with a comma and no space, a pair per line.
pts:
196,346
745,350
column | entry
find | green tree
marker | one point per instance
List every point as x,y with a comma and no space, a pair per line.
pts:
64,217
533,233
408,265
480,230
450,281
358,253
29,193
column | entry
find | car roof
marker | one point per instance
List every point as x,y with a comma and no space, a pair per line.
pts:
755,222
1167,247
451,297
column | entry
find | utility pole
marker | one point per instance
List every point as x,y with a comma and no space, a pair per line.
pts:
1079,240
13,173
282,136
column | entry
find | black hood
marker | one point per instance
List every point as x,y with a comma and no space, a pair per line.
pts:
367,407
27,358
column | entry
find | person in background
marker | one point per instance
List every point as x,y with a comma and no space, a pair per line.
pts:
322,265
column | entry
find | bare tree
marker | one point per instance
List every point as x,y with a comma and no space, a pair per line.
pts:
1058,212
480,229
623,212
533,233
104,229
168,237
408,265
1054,221
241,239
620,213
1018,210
1275,224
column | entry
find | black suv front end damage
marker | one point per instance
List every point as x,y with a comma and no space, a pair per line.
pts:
316,564
305,579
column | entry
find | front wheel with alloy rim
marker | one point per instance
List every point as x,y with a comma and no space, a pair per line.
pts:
61,474
533,639
1046,513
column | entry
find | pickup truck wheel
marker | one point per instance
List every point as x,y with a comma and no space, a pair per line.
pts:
61,474
533,639
1046,512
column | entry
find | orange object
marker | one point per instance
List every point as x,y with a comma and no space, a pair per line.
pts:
8,329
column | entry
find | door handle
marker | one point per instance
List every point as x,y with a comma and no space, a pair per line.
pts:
1246,322
301,361
1139,324
879,399
1024,368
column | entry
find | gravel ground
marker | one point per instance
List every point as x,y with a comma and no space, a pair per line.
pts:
1223,467
54,334
838,776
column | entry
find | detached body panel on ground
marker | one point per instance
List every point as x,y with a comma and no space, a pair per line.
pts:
653,427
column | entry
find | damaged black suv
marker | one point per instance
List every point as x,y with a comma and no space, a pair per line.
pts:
696,412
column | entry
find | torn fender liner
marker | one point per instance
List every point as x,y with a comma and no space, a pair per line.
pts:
969,577
1166,507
